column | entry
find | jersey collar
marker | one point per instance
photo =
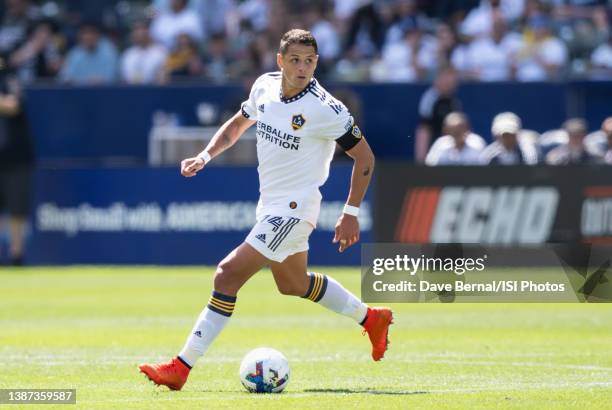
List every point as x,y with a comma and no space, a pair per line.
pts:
299,95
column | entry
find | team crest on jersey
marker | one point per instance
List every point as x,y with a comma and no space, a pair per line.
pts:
297,121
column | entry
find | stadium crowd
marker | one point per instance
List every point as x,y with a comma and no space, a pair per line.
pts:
442,42
443,135
572,144
96,41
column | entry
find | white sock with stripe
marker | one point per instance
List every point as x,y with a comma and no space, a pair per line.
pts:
329,293
211,322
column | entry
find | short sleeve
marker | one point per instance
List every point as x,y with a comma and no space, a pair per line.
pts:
340,126
249,107
336,120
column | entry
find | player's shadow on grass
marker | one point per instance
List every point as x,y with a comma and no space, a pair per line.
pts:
366,391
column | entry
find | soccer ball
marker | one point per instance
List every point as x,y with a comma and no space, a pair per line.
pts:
264,370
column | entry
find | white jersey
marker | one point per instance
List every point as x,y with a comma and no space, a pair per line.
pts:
295,145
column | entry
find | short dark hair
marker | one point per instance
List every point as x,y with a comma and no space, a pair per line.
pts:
297,36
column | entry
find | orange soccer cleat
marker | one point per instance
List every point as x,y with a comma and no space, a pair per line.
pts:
377,327
172,373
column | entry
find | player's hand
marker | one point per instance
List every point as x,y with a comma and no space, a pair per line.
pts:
347,231
191,166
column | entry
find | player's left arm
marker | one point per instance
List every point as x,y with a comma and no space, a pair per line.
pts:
347,227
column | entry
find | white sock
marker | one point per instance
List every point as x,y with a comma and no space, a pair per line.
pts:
210,323
329,293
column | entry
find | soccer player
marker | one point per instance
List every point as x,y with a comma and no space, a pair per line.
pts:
298,126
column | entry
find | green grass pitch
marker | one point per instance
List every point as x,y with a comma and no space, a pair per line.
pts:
88,328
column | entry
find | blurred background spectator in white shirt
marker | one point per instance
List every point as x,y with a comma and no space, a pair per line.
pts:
142,62
511,146
459,146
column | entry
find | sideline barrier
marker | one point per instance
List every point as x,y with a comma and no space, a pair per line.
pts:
503,206
155,216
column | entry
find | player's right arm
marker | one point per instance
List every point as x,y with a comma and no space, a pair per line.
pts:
225,137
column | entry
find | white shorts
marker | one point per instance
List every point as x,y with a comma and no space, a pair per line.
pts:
277,237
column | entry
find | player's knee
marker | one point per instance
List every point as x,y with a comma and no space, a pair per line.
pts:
224,281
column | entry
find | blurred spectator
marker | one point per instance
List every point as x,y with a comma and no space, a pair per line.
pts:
453,11
380,40
435,104
256,12
490,58
344,9
93,61
80,11
542,56
213,14
280,18
325,33
217,59
509,148
582,31
263,52
184,60
16,162
601,60
163,6
532,8
601,20
40,57
598,142
574,152
103,12
366,31
459,57
448,50
459,146
408,60
405,14
575,8
479,21
550,140
606,128
18,14
167,26
143,62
